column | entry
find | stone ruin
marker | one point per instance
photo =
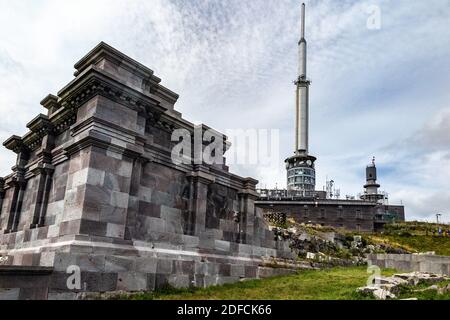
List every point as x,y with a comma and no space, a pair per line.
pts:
384,288
94,193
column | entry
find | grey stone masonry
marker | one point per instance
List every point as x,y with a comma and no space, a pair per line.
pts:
95,198
412,262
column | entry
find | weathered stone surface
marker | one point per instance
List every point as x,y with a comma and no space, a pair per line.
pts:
117,209
416,278
377,292
386,287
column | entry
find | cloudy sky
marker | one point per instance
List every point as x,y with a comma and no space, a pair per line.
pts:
383,93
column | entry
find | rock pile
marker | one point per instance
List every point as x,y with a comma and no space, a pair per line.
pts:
388,287
322,245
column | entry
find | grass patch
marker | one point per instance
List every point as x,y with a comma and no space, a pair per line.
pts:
328,284
411,292
414,237
417,243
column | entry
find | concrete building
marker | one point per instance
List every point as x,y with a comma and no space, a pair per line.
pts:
301,200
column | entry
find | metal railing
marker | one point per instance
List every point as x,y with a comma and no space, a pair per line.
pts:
284,194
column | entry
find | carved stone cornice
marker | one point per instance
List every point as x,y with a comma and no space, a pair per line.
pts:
249,189
101,141
15,144
80,126
50,103
95,81
90,83
201,174
41,168
41,125
17,181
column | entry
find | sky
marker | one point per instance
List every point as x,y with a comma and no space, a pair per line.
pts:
382,92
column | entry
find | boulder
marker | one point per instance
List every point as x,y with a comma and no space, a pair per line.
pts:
377,292
367,290
382,294
390,283
415,278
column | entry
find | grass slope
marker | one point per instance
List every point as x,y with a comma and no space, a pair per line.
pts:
415,237
418,243
329,284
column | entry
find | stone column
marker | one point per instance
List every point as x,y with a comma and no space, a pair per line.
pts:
12,207
19,185
133,201
200,178
18,182
45,173
247,197
189,223
43,169
2,194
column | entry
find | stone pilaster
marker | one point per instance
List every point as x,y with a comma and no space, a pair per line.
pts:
18,182
189,223
19,185
44,169
2,193
200,179
133,201
45,173
247,197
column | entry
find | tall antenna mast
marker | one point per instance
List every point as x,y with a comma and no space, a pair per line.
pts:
303,21
301,172
302,104
302,46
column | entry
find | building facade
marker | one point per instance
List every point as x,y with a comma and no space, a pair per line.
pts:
368,214
95,193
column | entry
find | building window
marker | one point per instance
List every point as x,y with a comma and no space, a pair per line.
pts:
322,213
358,214
340,213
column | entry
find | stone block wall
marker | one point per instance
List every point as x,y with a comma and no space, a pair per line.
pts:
412,262
95,189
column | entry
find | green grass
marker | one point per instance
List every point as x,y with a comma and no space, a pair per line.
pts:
420,292
424,295
422,243
328,284
415,237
